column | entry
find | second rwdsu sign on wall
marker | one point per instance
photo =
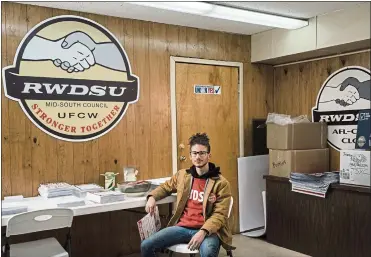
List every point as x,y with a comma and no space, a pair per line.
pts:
342,96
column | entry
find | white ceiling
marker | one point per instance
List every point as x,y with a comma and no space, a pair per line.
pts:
128,10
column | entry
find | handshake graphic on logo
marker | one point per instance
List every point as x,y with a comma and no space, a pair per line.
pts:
76,52
348,92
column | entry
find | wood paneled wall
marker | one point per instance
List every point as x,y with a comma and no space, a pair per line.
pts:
296,86
143,136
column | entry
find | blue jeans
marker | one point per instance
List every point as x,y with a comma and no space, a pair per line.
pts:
178,235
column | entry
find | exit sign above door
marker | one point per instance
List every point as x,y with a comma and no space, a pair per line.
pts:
205,89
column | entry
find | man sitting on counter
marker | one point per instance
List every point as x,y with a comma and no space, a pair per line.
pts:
203,200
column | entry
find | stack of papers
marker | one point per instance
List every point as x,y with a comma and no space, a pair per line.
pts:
89,187
12,208
156,182
55,190
81,190
313,184
69,201
105,197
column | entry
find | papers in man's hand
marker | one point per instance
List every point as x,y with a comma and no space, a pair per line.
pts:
149,225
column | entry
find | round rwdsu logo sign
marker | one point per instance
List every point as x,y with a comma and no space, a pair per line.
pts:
342,96
72,78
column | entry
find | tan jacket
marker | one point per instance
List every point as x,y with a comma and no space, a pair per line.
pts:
215,213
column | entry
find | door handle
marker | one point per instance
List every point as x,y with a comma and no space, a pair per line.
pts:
182,158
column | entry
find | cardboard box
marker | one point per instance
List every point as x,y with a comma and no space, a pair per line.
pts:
355,167
297,136
283,162
363,139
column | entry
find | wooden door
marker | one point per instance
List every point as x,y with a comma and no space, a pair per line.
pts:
215,114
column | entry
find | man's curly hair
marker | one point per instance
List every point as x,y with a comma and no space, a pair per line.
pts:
200,139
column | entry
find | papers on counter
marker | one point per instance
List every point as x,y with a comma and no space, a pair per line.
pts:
313,184
105,197
89,187
13,205
12,208
70,201
158,181
50,190
13,198
81,190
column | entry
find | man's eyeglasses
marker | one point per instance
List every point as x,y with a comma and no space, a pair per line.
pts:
201,153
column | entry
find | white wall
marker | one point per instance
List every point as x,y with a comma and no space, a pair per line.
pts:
332,33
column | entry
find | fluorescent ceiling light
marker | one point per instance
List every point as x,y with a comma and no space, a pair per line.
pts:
186,7
228,13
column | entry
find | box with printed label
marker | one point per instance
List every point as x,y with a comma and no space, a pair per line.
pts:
355,167
297,136
363,139
283,162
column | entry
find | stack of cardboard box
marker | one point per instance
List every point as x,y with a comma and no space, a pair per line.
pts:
297,147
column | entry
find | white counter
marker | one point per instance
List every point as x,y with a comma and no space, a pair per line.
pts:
40,203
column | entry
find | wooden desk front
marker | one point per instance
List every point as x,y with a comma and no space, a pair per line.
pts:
336,226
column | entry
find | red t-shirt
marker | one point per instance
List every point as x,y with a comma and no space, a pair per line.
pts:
192,216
